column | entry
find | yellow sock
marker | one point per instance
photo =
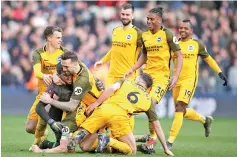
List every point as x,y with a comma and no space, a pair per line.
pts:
177,124
120,146
152,131
191,114
40,130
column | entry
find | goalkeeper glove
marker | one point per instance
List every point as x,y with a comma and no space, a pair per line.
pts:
223,77
56,126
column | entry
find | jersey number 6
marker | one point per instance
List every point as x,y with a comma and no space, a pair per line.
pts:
132,97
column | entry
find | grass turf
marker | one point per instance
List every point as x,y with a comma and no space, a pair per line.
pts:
190,142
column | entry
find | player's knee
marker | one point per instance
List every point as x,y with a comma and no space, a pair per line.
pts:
30,129
30,126
83,147
180,107
134,150
129,151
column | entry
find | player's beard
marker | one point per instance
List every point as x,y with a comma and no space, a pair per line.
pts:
184,36
125,23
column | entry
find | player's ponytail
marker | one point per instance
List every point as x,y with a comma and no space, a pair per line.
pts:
158,11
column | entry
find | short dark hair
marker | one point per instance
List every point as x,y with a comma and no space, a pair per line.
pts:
147,79
128,6
59,68
50,30
189,22
70,55
158,11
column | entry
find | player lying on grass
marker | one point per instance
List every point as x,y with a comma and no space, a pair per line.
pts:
120,101
61,93
84,91
53,118
130,97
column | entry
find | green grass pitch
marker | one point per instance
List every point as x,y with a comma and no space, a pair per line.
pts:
190,142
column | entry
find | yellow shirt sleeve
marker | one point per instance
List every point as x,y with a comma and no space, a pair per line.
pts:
212,64
37,71
106,57
207,58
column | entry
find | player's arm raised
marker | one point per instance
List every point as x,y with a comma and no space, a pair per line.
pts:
174,45
211,62
108,92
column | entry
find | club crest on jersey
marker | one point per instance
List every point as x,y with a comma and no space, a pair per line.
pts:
33,59
175,40
158,39
129,37
190,47
78,90
59,59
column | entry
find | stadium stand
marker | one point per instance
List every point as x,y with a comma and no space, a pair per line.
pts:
87,30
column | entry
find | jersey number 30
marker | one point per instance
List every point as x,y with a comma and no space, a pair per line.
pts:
132,97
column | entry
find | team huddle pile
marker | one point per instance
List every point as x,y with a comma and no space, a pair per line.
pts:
82,112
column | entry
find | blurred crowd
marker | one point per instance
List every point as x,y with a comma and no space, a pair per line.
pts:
87,31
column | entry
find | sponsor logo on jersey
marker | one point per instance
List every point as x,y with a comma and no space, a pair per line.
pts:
65,130
158,39
49,67
190,47
78,90
129,37
175,40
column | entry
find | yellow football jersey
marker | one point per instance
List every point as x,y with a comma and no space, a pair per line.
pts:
158,47
48,63
191,49
131,97
126,45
